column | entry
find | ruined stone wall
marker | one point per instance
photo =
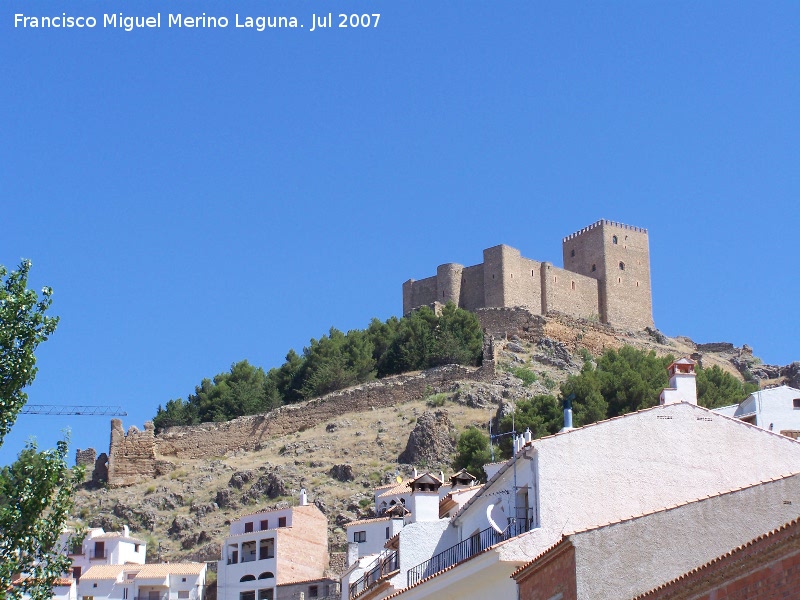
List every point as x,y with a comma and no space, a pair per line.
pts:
133,457
418,293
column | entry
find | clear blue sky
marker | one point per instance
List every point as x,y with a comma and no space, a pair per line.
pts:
197,197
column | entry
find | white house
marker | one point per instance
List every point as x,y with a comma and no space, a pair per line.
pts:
163,581
271,548
576,480
101,548
776,409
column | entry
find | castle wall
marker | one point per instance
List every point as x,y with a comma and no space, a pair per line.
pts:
569,293
448,283
472,291
418,293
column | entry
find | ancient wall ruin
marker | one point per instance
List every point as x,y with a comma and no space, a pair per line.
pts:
606,276
134,457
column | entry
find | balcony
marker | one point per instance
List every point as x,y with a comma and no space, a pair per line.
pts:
155,596
98,554
378,571
464,550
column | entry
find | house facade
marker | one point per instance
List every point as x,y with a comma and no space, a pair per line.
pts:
776,409
268,549
99,547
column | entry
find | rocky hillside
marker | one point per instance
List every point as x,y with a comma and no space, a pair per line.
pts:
184,514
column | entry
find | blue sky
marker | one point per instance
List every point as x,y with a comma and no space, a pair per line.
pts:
197,197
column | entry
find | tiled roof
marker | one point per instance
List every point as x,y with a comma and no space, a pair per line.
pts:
105,571
164,569
366,521
790,525
396,490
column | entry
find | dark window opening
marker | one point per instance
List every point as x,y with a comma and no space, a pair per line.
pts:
594,268
247,596
281,521
572,253
359,536
619,279
387,533
621,266
796,402
573,285
247,578
248,527
264,525
614,239
265,595
313,591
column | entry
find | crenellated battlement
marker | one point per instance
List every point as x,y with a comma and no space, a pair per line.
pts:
604,222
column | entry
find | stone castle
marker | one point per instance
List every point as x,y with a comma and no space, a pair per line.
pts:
606,276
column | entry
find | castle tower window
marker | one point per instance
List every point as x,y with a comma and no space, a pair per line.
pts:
573,285
621,266
531,272
619,279
614,239
572,254
594,268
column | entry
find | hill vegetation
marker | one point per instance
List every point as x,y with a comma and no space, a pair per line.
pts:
421,340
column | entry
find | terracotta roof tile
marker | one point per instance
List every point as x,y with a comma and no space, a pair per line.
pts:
105,571
164,569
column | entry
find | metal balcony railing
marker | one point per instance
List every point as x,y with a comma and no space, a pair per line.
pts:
464,550
377,571
98,554
147,596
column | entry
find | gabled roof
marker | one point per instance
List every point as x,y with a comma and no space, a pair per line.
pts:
366,521
395,490
115,535
106,571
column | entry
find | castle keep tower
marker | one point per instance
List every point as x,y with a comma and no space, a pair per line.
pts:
606,276
618,256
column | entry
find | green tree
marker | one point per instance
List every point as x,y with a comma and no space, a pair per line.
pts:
716,387
541,414
36,490
472,452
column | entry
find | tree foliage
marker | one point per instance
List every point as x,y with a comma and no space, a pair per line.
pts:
472,452
541,414
335,361
716,387
36,490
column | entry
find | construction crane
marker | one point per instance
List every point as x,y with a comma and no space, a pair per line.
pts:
84,411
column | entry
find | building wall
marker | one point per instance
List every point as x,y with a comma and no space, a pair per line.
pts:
615,295
556,576
131,457
765,569
301,552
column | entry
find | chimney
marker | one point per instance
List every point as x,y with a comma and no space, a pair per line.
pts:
126,531
682,383
568,412
528,436
352,553
303,497
414,476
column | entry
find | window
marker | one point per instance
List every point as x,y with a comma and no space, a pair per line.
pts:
265,595
572,254
359,536
594,268
125,593
94,585
621,266
573,285
796,402
264,525
136,547
247,578
247,596
248,527
614,239
183,579
266,575
183,593
88,597
281,521
76,573
387,533
313,591
266,549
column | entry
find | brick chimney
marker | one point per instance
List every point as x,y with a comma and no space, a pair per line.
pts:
682,383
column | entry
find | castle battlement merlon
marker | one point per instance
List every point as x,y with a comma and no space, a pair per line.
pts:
604,222
606,276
